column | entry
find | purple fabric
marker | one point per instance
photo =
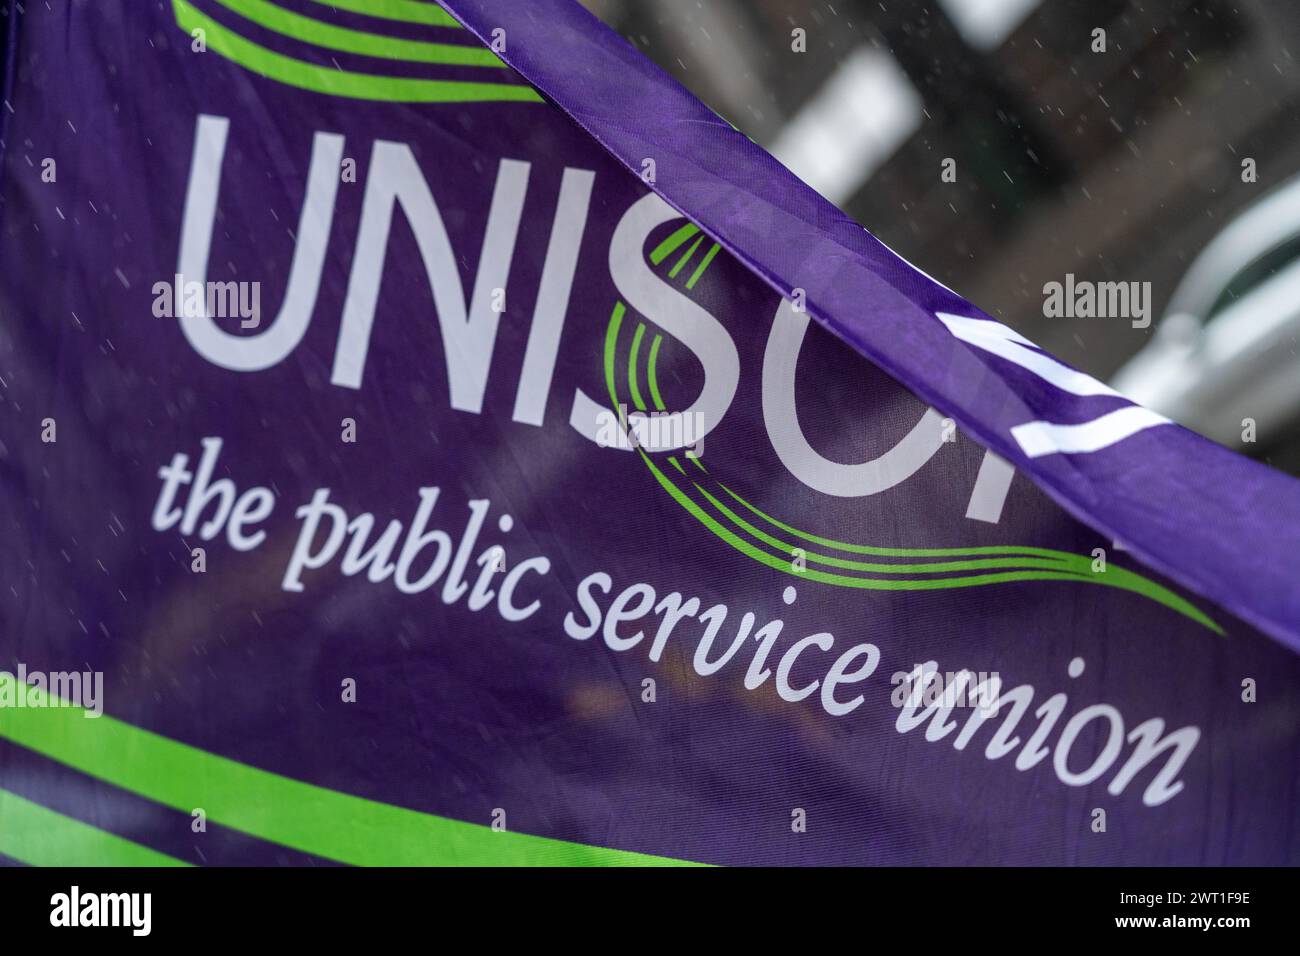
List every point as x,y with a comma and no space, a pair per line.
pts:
461,712
1141,492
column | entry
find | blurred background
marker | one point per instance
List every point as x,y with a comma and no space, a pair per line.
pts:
1170,156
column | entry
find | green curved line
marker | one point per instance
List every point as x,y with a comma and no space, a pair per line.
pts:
1054,565
1116,576
652,376
898,552
633,387
1126,580
676,239
295,25
1122,579
361,86
293,813
685,258
406,11
665,248
783,563
610,353
39,836
1075,564
704,264
933,568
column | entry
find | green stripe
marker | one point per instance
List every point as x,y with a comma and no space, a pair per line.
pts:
406,11
704,264
362,86
312,819
632,386
665,248
895,552
686,257
1066,562
1057,565
37,836
327,35
783,562
1113,576
652,376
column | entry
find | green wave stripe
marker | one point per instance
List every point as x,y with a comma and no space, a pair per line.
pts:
1005,558
652,374
1057,561
405,11
343,83
633,386
783,563
1027,563
685,257
288,23
704,264
785,551
665,248
652,378
38,836
292,813
1114,576
1078,565
1067,562
897,552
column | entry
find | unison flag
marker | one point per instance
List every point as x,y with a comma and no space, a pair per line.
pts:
430,435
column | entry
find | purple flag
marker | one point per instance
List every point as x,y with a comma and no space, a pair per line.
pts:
430,435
